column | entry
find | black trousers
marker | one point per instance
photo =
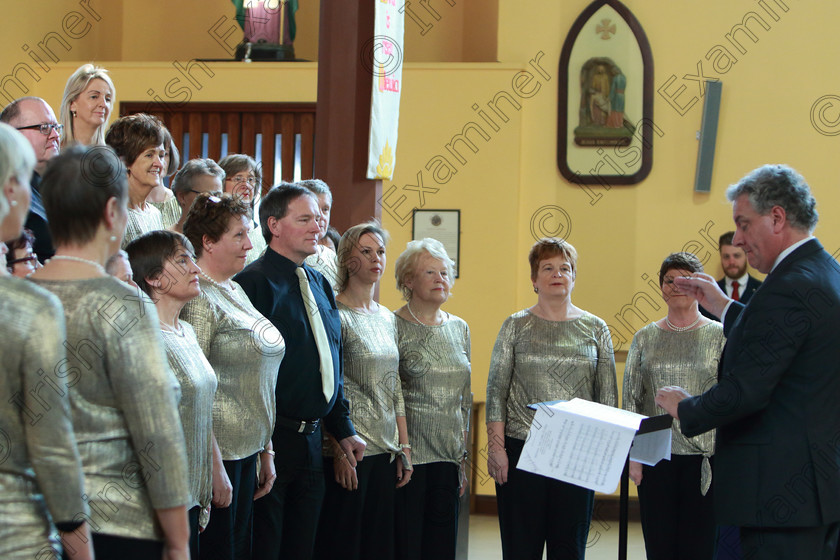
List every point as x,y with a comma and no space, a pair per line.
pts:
359,524
427,513
286,519
228,535
770,543
192,517
123,548
677,520
536,511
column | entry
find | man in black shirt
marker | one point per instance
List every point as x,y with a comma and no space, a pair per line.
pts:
35,119
286,519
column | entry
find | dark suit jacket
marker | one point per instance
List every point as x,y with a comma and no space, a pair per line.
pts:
746,293
36,221
777,401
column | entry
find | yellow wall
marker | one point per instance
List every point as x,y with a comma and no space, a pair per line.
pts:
765,117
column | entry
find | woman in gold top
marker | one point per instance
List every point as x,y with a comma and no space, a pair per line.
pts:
85,106
242,178
139,141
435,375
682,349
41,480
245,351
358,508
551,351
123,396
165,270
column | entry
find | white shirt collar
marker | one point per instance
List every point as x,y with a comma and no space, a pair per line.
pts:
788,251
742,281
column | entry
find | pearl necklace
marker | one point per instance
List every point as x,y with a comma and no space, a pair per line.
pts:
675,328
229,288
95,264
408,306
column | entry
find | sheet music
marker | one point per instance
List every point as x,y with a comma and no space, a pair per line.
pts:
581,442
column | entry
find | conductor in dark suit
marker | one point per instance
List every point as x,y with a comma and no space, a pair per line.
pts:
775,406
737,283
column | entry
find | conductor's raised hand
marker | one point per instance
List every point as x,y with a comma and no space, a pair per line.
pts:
705,290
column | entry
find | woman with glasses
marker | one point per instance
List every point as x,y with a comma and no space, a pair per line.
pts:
41,481
139,141
86,105
196,177
21,261
245,351
125,412
165,270
550,351
242,178
683,348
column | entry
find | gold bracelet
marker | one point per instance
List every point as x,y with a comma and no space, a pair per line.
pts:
405,446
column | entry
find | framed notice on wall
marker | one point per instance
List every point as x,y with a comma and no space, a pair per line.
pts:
443,225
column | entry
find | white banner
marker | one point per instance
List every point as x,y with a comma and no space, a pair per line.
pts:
384,52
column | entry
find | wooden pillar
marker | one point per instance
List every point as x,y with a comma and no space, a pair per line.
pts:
342,120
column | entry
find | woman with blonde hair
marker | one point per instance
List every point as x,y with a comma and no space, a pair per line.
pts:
358,507
435,377
41,480
86,105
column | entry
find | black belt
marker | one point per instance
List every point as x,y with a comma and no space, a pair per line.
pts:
305,427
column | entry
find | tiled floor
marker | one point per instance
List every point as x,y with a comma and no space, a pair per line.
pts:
603,539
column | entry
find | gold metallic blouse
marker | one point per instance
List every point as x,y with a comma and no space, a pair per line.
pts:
170,211
325,261
536,360
245,351
140,222
435,375
198,387
660,358
40,468
257,240
124,404
371,381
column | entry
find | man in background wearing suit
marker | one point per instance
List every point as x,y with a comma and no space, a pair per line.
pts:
736,282
775,406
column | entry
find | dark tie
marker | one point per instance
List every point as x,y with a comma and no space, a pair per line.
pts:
735,294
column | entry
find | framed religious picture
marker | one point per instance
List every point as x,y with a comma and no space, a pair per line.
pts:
605,115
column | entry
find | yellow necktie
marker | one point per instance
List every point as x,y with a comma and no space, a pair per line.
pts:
327,374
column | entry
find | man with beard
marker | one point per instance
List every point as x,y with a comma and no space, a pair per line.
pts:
736,282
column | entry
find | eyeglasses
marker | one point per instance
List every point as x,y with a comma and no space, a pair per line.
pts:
239,180
44,128
214,193
31,258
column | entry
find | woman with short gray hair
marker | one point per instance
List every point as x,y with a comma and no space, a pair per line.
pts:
435,376
196,177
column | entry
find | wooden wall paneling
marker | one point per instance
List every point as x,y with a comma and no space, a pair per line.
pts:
249,134
234,122
307,145
195,130
287,146
214,141
267,129
176,129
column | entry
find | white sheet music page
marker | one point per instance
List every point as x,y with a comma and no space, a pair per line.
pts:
580,442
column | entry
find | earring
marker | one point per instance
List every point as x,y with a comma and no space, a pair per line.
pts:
13,203
73,113
113,238
536,291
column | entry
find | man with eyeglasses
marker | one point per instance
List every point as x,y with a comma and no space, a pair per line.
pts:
35,119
